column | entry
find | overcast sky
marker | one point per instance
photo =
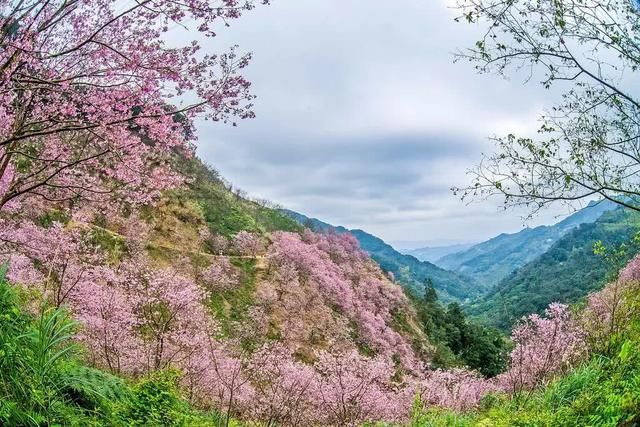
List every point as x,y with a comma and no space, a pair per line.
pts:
363,119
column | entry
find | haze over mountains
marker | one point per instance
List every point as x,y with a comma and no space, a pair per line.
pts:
434,253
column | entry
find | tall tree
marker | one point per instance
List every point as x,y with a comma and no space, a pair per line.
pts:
588,144
430,294
93,100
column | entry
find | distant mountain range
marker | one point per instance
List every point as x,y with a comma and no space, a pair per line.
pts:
489,262
408,270
433,253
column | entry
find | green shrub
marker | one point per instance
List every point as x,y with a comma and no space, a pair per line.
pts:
155,401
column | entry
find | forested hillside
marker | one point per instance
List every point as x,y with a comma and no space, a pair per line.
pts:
491,261
408,270
567,272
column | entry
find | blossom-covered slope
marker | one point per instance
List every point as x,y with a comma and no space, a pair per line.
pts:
251,319
289,327
411,272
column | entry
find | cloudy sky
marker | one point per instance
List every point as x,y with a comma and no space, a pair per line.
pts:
363,119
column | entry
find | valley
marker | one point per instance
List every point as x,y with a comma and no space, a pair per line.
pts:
162,165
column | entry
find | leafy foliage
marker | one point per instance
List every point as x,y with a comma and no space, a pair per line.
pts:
35,379
232,305
155,401
586,143
459,341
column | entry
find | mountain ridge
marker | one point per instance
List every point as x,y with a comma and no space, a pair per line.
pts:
566,272
491,261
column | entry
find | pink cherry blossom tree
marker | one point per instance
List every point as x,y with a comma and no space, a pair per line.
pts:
173,322
544,347
219,275
610,311
63,258
457,389
226,383
109,328
216,243
354,390
248,244
631,272
284,389
94,100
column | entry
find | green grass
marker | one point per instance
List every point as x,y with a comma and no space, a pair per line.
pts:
43,381
227,212
231,306
604,391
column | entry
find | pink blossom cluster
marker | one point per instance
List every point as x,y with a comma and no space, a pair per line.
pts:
353,390
544,347
285,390
631,272
67,259
94,101
247,244
457,389
327,275
344,389
217,243
610,310
7,176
219,275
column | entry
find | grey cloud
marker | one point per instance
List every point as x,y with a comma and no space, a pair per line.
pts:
364,121
277,146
